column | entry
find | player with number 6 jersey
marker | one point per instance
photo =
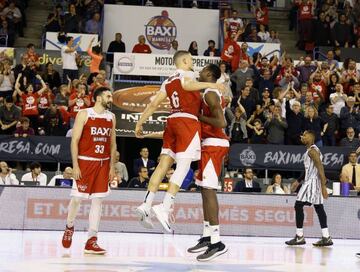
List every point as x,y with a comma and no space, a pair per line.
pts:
181,140
93,151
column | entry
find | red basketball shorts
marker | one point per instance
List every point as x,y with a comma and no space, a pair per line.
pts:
213,151
94,181
182,138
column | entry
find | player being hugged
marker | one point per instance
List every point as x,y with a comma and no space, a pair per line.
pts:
93,151
214,147
181,138
312,192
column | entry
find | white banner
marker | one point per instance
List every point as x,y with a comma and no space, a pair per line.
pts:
153,65
52,42
263,48
161,26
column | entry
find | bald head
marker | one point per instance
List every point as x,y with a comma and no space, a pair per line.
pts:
68,172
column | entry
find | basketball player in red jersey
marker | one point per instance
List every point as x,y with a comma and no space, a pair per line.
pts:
93,151
181,140
214,147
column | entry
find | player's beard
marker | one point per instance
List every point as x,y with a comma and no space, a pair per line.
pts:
106,105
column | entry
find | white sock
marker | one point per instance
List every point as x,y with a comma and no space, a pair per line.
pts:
94,216
215,234
325,232
206,229
300,232
149,198
169,200
73,209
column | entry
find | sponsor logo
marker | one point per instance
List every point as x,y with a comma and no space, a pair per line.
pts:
160,31
126,64
247,157
135,117
184,213
136,99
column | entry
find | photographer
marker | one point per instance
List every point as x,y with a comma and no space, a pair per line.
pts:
6,175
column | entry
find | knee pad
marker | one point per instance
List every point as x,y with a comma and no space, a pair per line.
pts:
182,168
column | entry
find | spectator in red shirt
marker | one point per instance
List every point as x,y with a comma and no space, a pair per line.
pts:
231,51
261,13
29,99
305,23
24,130
31,57
141,47
78,101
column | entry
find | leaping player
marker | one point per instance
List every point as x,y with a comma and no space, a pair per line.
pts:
93,151
215,146
181,139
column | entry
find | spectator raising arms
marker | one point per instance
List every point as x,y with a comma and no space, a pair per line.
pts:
96,58
29,99
68,56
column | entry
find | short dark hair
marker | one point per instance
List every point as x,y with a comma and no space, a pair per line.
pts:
352,152
9,99
24,120
141,168
96,49
99,91
214,70
211,41
34,165
68,38
30,45
246,168
179,54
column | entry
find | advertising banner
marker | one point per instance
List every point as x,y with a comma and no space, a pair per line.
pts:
35,148
265,49
283,157
54,57
153,64
129,103
52,42
45,208
161,26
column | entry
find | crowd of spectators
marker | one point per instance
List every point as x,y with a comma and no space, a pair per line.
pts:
77,16
12,21
326,23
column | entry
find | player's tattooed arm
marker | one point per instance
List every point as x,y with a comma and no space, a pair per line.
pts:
217,118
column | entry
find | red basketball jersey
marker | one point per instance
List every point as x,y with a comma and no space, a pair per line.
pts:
96,135
208,131
181,101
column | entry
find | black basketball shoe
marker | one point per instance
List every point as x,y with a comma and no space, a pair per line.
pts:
202,245
296,241
323,242
213,251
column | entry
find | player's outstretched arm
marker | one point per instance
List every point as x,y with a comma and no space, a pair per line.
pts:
217,118
150,109
80,120
315,156
191,85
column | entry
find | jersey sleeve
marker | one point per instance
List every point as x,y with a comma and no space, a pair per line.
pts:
163,87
